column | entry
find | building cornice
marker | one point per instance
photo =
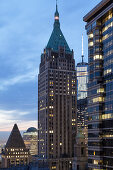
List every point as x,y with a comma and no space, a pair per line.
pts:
95,10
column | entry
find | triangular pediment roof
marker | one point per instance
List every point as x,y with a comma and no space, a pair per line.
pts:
15,139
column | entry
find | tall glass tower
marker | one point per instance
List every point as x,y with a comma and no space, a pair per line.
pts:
82,80
57,101
82,77
100,87
82,89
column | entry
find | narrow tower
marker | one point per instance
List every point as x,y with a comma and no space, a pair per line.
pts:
57,101
82,50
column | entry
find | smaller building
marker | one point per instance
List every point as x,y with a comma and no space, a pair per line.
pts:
82,114
30,138
82,80
82,92
15,152
80,150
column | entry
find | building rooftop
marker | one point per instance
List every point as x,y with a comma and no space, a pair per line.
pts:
32,129
15,139
82,64
96,9
57,38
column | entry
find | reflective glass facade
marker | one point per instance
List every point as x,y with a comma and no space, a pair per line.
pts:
30,140
100,87
82,80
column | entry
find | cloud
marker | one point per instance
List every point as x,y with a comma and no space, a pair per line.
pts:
18,79
11,114
22,124
9,117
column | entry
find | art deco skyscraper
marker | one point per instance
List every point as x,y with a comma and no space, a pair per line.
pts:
57,101
100,88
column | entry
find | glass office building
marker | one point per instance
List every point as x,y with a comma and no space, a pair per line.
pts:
82,89
100,87
82,80
30,138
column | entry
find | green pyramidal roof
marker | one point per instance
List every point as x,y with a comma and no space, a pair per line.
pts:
57,38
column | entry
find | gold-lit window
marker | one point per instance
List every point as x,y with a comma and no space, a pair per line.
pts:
107,27
98,99
107,71
90,35
96,57
107,116
51,131
100,90
90,44
51,115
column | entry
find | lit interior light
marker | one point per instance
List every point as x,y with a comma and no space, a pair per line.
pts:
56,18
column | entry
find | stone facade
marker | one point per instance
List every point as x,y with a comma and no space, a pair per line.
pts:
15,152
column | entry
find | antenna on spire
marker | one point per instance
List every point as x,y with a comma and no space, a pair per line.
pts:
56,13
56,5
82,49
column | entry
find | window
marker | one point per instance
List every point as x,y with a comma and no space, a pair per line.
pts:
98,99
77,167
98,57
82,151
90,44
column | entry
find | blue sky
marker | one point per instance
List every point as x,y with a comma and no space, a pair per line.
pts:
25,28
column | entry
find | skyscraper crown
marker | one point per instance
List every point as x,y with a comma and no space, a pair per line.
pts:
57,38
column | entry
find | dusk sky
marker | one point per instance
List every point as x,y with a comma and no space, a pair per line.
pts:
25,28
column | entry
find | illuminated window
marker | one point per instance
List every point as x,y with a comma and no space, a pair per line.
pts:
51,115
56,18
90,35
105,37
98,99
50,107
107,116
90,44
107,71
97,162
107,27
101,90
98,57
